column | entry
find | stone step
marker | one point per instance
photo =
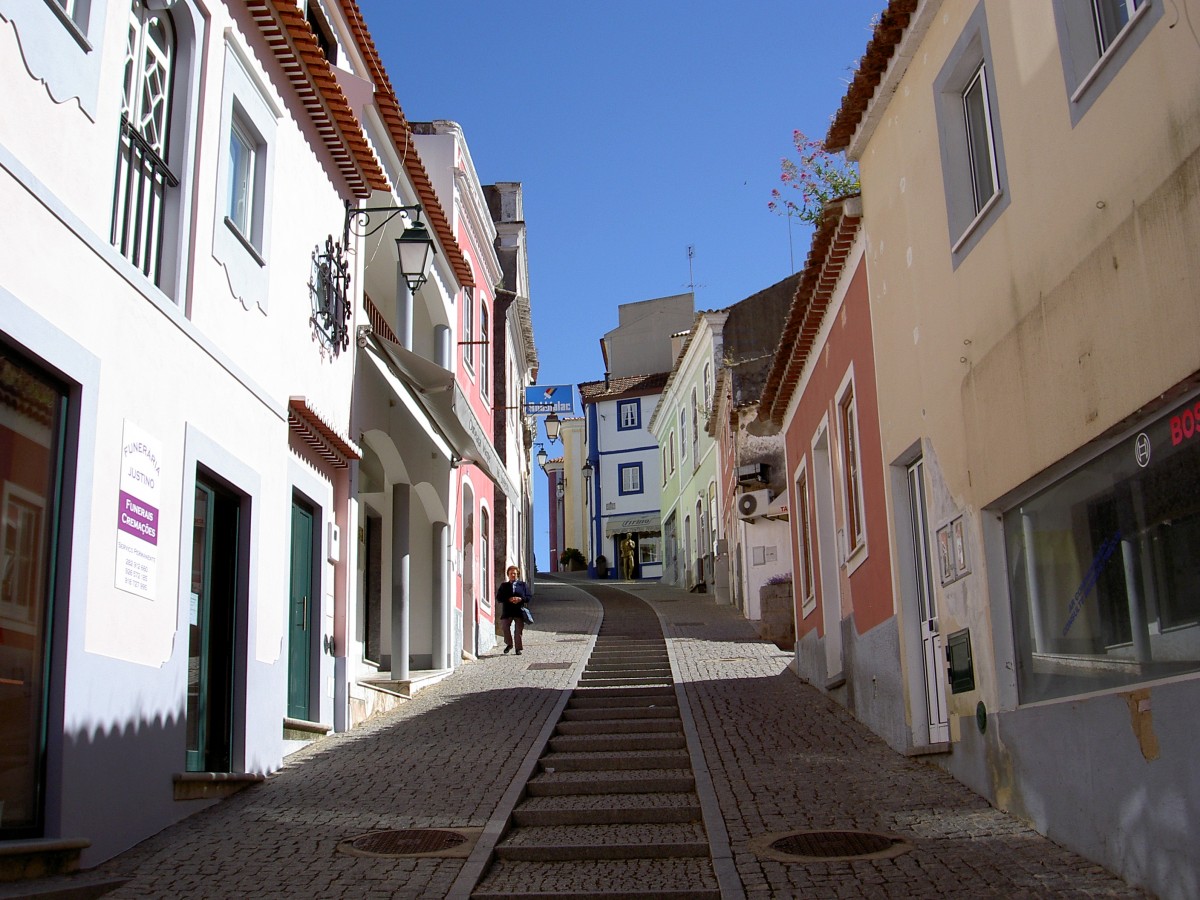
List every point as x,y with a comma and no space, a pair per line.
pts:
620,841
650,711
21,860
619,725
614,761
627,662
690,878
634,696
633,781
603,810
631,743
601,680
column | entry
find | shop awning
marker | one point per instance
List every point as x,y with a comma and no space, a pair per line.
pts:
447,408
615,525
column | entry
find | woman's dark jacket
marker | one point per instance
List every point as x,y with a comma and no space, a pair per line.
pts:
511,596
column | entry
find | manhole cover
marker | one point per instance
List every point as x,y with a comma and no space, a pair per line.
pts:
572,640
828,846
407,842
557,665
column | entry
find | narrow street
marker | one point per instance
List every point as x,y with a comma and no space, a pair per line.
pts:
768,757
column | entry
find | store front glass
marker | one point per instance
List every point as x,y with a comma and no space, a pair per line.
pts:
32,407
1104,566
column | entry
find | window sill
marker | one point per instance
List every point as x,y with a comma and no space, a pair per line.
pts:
975,222
71,26
237,233
1138,14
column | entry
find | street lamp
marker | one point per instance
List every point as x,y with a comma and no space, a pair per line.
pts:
542,456
415,246
553,424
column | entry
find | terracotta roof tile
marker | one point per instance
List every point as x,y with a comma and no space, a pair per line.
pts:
397,124
831,244
290,38
623,386
888,32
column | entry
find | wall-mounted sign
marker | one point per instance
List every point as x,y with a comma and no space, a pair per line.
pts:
544,399
138,512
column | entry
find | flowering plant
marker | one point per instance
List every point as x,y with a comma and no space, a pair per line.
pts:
820,176
785,578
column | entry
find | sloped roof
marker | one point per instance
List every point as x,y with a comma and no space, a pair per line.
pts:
623,386
401,133
831,245
291,40
871,68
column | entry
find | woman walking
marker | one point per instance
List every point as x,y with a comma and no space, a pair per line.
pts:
513,597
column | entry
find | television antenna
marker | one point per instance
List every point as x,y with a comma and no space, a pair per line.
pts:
691,284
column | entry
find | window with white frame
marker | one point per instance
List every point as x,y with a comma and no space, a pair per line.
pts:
683,439
1096,38
242,226
671,444
804,580
707,385
485,361
629,414
969,137
695,430
851,470
977,118
242,151
664,464
629,477
144,177
468,328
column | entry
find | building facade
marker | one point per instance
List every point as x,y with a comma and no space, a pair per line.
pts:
1038,358
688,457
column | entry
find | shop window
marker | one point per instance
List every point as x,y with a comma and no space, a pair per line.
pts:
1103,568
32,413
650,549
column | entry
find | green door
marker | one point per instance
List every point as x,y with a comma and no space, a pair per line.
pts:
300,618
211,631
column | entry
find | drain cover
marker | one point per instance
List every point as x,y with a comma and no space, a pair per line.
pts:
554,665
827,846
408,842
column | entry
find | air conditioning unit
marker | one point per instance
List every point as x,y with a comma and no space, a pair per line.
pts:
753,504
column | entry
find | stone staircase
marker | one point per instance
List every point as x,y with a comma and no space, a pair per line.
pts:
612,811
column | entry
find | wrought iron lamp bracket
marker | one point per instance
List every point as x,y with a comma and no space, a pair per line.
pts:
366,220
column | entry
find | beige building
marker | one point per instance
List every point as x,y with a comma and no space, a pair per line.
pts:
1030,179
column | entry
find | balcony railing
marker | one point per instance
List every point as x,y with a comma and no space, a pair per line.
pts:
143,180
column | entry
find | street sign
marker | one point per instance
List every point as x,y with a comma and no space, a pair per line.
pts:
544,399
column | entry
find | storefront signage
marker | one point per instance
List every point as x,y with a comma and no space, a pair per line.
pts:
138,515
544,399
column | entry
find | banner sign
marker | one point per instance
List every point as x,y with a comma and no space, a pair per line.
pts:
544,399
138,513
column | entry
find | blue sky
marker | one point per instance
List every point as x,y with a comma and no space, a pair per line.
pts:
638,129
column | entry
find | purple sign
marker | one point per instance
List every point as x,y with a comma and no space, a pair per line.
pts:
138,518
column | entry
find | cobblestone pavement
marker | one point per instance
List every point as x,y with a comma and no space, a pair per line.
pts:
443,760
781,757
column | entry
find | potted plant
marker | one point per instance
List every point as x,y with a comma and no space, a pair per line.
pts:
601,566
572,560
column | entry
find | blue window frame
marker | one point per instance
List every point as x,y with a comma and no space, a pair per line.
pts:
629,414
629,478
